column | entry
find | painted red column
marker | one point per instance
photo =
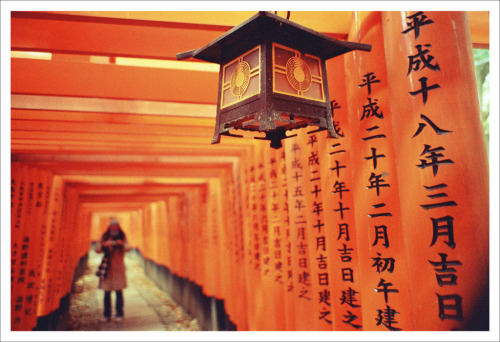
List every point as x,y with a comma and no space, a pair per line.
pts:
296,169
384,284
335,155
320,243
50,237
274,274
20,197
251,237
442,164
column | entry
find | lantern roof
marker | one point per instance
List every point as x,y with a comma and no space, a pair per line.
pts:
265,26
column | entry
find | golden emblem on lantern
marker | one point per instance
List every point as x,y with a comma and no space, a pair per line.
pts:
239,78
298,74
303,74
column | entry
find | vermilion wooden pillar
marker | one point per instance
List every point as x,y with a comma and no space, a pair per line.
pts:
385,291
340,230
442,165
296,167
273,272
264,314
50,237
321,244
42,193
20,195
250,238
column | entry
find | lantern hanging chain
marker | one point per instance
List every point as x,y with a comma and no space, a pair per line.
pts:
287,14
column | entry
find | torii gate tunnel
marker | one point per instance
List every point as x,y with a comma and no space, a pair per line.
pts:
384,229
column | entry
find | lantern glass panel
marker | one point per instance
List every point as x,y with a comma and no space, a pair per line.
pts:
314,65
315,91
254,84
281,84
228,70
253,58
241,78
281,56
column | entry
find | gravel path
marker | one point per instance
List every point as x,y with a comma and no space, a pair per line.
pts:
146,308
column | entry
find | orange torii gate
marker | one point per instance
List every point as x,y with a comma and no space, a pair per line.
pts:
384,229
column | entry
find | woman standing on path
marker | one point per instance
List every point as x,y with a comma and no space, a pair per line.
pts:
113,244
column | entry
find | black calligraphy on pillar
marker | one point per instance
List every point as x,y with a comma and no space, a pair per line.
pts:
368,80
323,279
436,129
341,209
345,254
320,245
350,318
325,314
374,157
420,60
372,109
339,188
303,277
416,21
313,138
377,182
278,268
349,298
438,197
443,227
336,124
383,264
387,318
348,274
322,261
385,289
337,168
375,136
19,209
434,158
445,274
316,208
381,234
343,231
319,225
450,306
379,214
324,297
424,89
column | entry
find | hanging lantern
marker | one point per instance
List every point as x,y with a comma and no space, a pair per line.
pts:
272,77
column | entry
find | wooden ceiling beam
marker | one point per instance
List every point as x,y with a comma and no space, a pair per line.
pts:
58,33
93,80
137,189
220,152
182,170
105,198
98,109
154,131
229,145
111,139
115,206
